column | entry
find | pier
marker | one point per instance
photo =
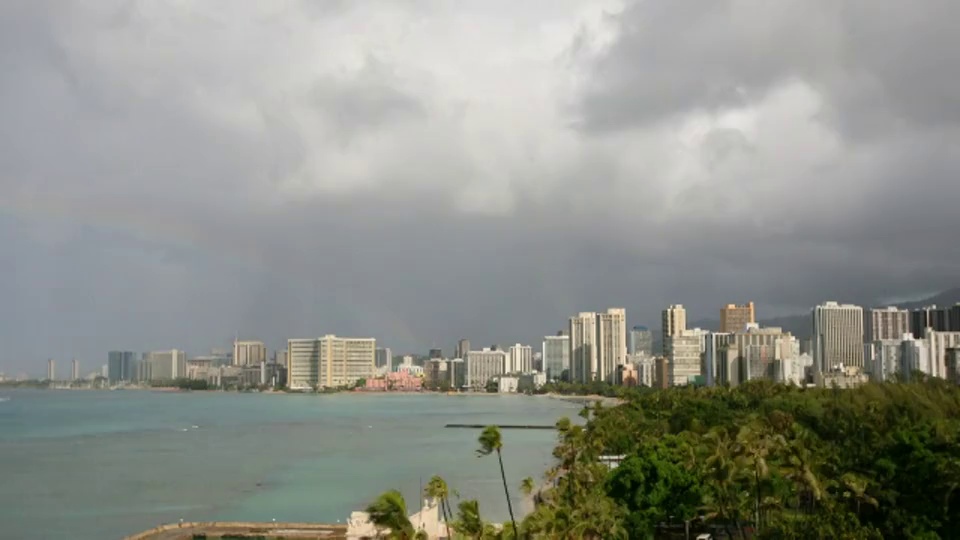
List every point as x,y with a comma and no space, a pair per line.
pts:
501,426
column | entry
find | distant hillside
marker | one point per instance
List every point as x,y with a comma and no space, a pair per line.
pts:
799,325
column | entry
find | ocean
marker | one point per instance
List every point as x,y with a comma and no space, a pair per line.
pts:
101,465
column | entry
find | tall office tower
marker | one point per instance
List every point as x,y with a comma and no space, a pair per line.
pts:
121,366
674,321
75,371
734,318
556,356
888,323
583,347
51,369
384,357
684,360
463,347
162,365
929,317
837,336
611,343
520,359
330,361
249,353
435,354
641,341
483,366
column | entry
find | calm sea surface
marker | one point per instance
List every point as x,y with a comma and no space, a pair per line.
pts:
99,465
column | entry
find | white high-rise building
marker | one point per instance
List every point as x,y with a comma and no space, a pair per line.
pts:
75,375
329,361
888,323
882,357
837,337
914,356
684,360
249,353
674,321
583,347
520,359
163,365
51,369
556,356
484,365
611,343
937,344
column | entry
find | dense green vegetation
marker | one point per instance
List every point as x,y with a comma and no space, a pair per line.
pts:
595,388
757,461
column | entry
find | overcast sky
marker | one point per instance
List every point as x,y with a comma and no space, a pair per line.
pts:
175,172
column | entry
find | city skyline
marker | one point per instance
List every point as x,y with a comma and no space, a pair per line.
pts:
949,313
154,198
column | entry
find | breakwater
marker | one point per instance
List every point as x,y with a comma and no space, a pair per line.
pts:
501,426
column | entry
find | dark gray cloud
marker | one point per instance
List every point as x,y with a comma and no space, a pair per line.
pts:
172,175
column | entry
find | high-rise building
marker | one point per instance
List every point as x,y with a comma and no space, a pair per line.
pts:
674,321
75,371
684,361
556,356
937,319
937,345
611,343
329,361
51,370
463,347
716,345
583,347
888,323
435,354
914,357
953,365
162,365
249,353
882,357
661,372
734,318
520,359
484,365
121,366
384,357
641,342
954,318
837,337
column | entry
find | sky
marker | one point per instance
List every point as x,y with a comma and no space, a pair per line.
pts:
176,173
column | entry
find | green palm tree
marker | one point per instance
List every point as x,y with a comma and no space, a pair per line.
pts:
468,519
490,442
437,489
526,486
389,511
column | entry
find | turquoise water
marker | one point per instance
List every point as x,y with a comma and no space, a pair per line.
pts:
99,465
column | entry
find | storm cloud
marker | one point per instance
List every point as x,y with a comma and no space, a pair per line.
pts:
175,173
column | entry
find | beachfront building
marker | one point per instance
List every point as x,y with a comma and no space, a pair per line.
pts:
520,359
484,365
556,355
121,366
162,366
249,353
329,361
